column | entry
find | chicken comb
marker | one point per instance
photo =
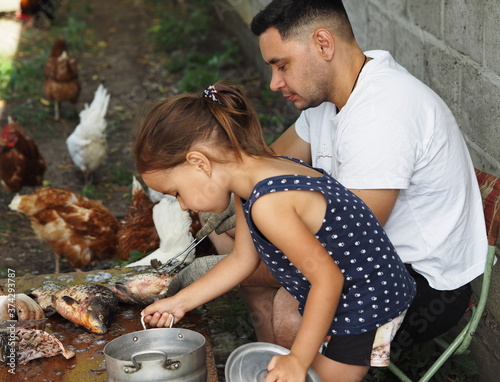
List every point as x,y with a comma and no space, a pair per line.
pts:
8,137
5,132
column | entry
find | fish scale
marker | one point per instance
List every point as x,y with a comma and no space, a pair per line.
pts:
88,305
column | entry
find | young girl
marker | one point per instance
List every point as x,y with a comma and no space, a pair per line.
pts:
319,240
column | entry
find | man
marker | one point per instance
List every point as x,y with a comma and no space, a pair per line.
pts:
388,138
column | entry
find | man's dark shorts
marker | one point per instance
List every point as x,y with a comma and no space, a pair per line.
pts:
432,312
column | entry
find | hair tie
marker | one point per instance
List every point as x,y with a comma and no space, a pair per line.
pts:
210,92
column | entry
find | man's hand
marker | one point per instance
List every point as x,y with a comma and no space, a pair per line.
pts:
219,223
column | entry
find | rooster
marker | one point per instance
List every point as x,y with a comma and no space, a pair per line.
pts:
138,229
87,144
173,226
76,228
61,77
21,163
37,9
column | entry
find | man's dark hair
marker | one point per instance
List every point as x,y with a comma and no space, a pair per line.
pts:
288,16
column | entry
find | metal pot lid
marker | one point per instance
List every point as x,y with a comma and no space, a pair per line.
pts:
248,363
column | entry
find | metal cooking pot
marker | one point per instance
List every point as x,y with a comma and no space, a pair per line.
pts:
248,363
155,355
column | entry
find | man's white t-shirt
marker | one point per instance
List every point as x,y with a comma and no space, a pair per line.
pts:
395,133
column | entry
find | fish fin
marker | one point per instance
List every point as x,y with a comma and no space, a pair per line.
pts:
69,300
120,287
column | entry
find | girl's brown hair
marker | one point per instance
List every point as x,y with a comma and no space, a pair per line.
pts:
174,126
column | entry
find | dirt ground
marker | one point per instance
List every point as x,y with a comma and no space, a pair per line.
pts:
122,67
120,56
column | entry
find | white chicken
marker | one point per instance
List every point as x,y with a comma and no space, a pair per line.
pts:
172,225
87,144
155,196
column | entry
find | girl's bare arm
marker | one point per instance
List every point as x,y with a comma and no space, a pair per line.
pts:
224,276
277,217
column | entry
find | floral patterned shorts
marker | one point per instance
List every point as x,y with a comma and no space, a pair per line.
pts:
381,352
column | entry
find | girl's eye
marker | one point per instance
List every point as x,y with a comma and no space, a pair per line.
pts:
281,68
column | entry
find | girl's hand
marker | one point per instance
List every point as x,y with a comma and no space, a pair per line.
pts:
163,313
286,368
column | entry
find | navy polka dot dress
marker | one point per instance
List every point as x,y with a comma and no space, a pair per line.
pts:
377,287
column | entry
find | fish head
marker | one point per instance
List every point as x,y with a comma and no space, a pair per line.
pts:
94,315
143,288
98,316
151,282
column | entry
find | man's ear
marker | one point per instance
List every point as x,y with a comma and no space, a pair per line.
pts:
324,43
199,160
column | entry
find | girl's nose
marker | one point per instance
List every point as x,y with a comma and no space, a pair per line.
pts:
181,204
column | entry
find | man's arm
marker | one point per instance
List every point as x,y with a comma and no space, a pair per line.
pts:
381,202
290,144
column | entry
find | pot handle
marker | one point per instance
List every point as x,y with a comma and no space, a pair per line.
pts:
137,364
144,324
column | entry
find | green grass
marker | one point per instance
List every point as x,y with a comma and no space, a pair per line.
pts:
92,192
22,77
76,33
121,175
201,62
26,79
3,272
134,256
416,360
172,32
5,73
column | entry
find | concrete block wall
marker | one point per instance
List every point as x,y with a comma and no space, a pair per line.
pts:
452,46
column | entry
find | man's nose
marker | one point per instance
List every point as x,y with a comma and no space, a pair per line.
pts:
277,82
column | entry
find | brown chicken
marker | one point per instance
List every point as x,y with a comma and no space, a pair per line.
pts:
81,230
21,163
61,77
205,247
138,230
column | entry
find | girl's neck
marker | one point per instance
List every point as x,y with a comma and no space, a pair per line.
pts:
246,174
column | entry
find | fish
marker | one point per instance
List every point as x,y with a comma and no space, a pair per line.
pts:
88,305
30,344
19,307
141,288
44,294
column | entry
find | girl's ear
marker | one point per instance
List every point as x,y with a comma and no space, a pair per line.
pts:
199,160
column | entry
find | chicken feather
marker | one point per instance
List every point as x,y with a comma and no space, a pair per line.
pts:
87,144
173,226
61,76
138,229
21,163
76,228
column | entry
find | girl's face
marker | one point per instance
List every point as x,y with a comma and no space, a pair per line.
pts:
192,185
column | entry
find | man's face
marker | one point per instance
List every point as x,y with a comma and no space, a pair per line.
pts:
296,69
